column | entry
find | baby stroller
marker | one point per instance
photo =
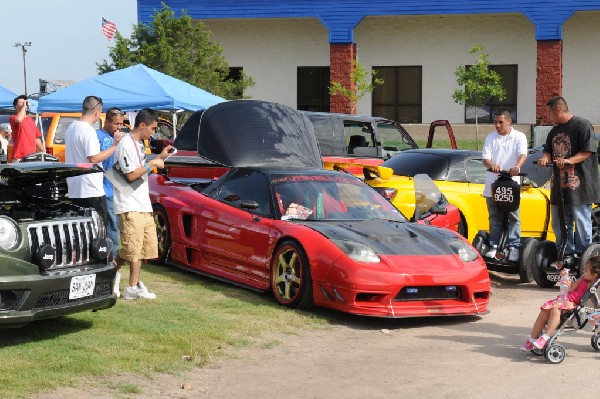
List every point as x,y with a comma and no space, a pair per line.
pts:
585,316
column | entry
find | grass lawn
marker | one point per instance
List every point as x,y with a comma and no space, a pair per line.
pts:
193,318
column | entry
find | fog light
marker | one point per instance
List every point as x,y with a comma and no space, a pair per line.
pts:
8,300
101,248
45,256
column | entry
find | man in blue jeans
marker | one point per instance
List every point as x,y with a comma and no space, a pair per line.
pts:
503,149
112,123
572,147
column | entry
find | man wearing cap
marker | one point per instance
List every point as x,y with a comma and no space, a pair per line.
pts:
26,136
5,133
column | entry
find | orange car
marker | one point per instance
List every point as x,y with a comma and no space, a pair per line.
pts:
53,126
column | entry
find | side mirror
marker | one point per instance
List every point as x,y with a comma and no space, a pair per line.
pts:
439,209
250,205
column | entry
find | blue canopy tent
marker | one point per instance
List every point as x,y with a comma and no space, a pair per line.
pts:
6,98
131,89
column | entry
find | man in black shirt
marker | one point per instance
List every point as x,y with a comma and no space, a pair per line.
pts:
571,145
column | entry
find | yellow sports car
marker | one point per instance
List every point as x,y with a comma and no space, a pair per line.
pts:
460,175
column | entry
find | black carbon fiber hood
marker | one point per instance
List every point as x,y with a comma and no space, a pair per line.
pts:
389,237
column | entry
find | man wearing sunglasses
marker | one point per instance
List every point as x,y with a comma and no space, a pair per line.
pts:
82,146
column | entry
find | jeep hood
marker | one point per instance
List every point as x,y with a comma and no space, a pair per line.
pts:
252,133
30,173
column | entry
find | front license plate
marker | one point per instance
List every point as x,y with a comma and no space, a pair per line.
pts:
82,286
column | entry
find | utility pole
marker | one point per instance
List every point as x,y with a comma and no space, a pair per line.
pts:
23,45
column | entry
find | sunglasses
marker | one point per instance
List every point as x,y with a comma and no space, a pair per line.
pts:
115,112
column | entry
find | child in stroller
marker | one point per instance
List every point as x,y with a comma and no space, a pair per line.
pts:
556,316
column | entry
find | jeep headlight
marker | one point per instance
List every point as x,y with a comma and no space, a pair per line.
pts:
9,234
357,251
465,252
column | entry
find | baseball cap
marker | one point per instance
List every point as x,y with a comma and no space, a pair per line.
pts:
6,127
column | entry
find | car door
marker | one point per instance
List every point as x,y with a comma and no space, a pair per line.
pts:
533,207
233,237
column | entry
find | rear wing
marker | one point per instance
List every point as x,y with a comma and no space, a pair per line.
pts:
382,172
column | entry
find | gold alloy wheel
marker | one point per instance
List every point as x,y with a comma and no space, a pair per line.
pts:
287,274
163,234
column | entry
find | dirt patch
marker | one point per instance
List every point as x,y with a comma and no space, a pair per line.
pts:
380,358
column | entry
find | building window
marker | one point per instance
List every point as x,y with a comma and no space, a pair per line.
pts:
485,114
235,74
400,97
313,89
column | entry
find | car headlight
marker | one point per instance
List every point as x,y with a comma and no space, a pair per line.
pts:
357,251
9,234
465,252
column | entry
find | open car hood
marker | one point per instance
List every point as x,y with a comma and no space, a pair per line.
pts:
30,173
187,137
251,133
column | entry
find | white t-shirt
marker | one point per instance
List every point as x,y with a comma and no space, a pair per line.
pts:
503,151
81,142
131,155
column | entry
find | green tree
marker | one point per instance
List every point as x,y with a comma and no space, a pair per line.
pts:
362,86
478,84
178,47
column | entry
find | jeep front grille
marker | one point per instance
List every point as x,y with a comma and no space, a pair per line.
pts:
59,298
71,239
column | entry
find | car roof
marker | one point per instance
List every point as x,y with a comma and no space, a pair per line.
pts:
358,118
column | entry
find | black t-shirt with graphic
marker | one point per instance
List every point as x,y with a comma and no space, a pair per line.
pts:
581,182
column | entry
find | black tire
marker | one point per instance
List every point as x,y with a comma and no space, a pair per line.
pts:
596,341
291,282
555,353
480,242
163,233
596,225
545,254
591,250
527,261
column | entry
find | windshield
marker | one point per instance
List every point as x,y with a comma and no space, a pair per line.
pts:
331,197
427,195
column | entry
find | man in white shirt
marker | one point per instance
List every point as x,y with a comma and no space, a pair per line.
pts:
504,149
133,207
82,146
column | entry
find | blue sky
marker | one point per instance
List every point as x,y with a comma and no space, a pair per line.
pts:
66,38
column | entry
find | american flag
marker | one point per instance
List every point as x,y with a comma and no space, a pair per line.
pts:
108,28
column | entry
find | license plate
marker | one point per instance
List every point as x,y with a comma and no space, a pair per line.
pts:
82,286
552,277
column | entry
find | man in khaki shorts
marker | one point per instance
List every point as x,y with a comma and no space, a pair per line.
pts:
132,203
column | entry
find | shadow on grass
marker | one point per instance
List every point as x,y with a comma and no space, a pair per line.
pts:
42,330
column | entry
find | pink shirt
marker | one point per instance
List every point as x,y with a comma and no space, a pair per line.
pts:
575,295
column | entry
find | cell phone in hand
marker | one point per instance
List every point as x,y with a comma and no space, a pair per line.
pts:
171,151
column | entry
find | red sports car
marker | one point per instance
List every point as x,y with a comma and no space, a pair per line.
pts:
277,221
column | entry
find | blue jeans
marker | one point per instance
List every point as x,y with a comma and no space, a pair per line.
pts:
514,225
112,225
580,237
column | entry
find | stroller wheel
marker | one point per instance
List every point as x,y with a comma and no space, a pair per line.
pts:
538,352
596,341
554,353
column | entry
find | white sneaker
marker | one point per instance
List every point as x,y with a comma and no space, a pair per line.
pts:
137,293
143,288
492,252
514,254
116,285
